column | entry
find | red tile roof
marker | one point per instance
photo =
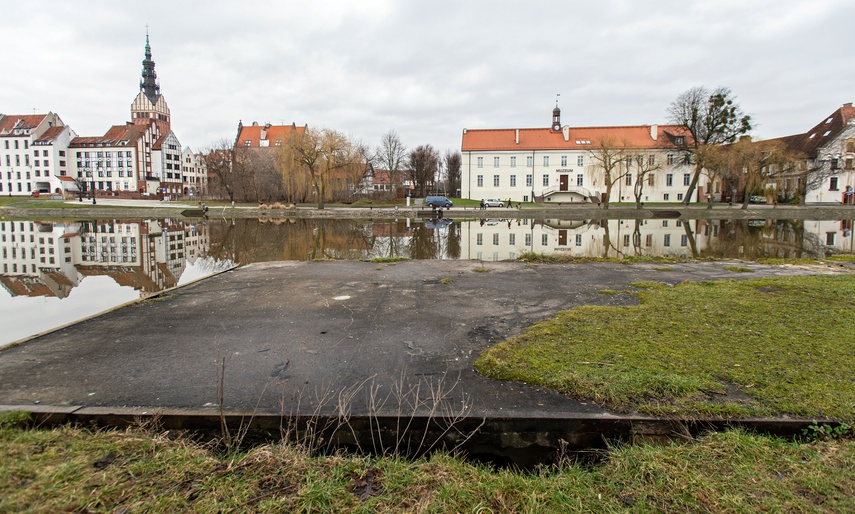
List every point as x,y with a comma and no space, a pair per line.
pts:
825,131
272,133
50,134
580,138
11,121
128,132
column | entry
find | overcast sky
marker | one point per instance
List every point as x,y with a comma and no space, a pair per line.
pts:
426,69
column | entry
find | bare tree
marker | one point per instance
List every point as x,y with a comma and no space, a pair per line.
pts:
453,164
422,165
329,160
218,160
709,118
645,165
608,157
391,155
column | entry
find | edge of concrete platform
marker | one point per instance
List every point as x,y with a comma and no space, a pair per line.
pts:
115,308
523,440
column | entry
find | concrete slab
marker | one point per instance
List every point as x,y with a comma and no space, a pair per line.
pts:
326,337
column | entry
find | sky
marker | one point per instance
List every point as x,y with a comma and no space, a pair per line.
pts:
425,69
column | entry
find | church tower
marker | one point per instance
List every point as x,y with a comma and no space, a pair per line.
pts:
556,118
149,103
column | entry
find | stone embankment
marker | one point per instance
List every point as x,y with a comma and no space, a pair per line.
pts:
130,209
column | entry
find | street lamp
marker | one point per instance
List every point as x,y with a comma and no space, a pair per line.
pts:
91,177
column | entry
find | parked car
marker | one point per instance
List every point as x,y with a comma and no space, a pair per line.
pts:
492,202
757,199
438,201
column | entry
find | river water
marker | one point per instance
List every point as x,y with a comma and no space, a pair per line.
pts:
54,273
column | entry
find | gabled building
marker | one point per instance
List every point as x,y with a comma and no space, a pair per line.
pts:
32,153
265,136
827,174
560,163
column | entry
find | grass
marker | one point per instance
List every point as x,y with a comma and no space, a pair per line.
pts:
560,258
74,469
381,260
738,269
762,347
481,269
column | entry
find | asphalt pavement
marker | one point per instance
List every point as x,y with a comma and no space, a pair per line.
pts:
307,337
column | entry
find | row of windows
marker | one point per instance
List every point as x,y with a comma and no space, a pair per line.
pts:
101,155
17,143
544,240
580,180
580,160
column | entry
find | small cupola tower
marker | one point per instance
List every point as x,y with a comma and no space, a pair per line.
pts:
556,118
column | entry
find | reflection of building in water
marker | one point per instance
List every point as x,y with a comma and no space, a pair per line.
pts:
38,258
49,259
832,236
497,240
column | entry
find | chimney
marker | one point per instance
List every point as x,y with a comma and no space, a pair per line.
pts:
654,131
516,139
566,131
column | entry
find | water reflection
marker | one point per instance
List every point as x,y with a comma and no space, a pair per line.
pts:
54,273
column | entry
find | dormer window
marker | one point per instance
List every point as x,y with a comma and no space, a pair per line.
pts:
679,140
247,143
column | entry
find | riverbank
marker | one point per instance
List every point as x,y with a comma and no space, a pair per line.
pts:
118,209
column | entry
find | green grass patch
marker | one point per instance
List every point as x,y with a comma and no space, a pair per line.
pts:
738,269
446,280
76,470
561,258
481,269
388,259
772,346
664,268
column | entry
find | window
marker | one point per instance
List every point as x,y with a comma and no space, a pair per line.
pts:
832,186
664,223
578,239
528,239
495,181
495,239
479,239
829,238
247,143
580,180
563,161
651,160
544,240
669,179
62,153
480,162
684,240
545,180
626,240
480,180
667,240
495,162
512,239
679,140
513,162
670,159
513,181
580,160
545,161
679,197
628,161
650,179
528,180
687,177
529,161
666,197
648,240
628,179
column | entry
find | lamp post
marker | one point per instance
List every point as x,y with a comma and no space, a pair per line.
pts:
91,177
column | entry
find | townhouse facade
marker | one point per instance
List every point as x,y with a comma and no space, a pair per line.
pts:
33,154
565,164
827,172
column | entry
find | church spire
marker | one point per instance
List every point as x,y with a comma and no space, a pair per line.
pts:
148,84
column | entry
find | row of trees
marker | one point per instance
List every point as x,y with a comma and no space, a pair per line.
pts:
321,166
714,132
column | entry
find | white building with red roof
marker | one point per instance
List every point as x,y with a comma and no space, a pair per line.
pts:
265,136
32,153
827,174
559,163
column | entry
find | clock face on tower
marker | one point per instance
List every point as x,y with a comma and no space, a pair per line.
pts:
556,127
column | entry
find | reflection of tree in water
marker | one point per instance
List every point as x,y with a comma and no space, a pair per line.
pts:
423,244
754,239
452,247
245,240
